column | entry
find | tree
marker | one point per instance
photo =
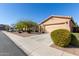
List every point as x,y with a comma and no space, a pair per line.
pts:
32,26
26,25
21,25
76,25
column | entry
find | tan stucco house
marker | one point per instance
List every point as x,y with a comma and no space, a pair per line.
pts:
57,22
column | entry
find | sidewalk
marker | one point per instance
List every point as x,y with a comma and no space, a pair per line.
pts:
35,48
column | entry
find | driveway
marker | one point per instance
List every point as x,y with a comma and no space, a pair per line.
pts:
8,48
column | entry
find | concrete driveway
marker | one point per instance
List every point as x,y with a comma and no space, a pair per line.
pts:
8,48
38,45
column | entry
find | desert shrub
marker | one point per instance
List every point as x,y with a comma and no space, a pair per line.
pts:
61,37
74,40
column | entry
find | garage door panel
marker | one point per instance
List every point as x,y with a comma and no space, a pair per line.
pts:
54,27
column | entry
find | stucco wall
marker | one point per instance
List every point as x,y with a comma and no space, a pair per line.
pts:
56,23
56,20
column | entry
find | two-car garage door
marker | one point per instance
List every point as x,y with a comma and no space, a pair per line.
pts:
50,28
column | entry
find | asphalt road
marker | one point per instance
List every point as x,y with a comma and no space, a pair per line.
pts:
8,48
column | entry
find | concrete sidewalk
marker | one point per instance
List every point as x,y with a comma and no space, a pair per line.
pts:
35,48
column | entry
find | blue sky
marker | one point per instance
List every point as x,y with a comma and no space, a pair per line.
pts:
11,13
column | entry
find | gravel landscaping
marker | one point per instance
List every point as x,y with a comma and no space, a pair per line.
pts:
25,34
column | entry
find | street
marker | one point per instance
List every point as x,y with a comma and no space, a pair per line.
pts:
8,48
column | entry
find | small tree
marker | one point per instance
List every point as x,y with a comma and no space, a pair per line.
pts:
31,26
20,25
26,25
76,25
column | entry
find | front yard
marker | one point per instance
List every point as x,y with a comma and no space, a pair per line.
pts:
70,49
77,35
25,34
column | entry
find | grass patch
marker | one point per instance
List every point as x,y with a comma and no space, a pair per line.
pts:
75,39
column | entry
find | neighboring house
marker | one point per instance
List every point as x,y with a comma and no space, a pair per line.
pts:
57,22
6,27
2,27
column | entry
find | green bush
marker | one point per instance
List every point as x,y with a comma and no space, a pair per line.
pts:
74,40
61,37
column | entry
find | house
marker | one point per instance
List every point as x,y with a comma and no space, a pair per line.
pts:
2,27
57,22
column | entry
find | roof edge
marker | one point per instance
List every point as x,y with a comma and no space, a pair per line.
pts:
56,16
